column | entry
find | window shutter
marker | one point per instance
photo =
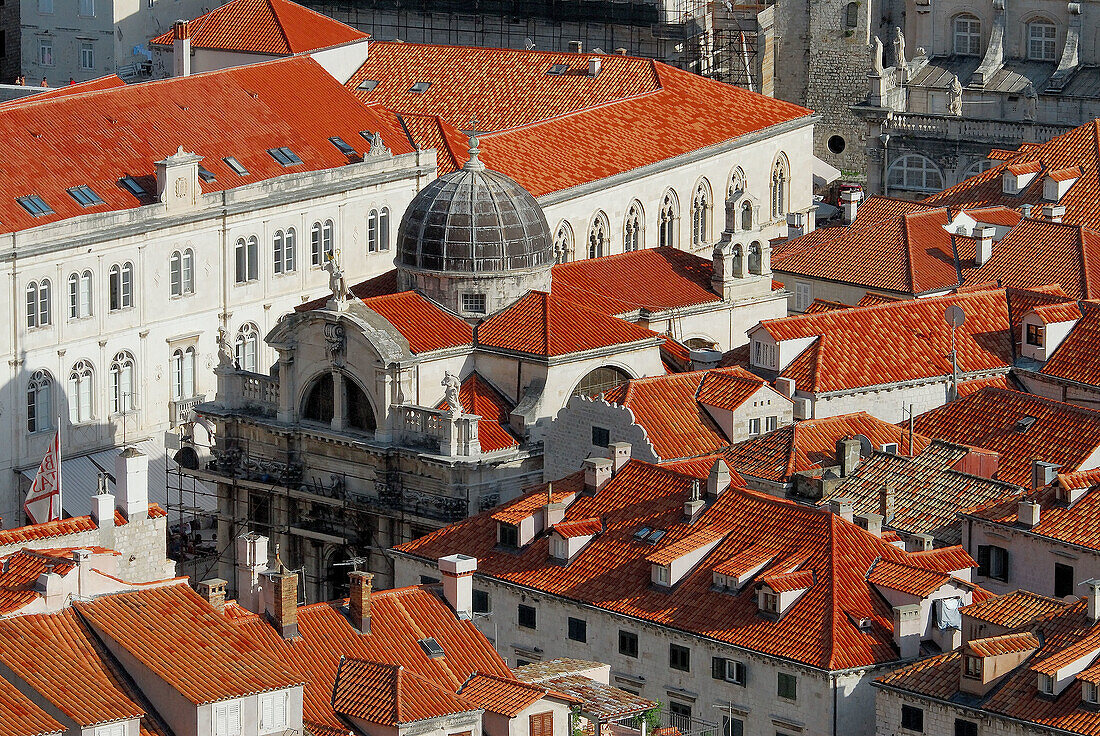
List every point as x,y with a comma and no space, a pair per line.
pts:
983,559
718,668
220,721
234,718
1004,567
542,724
267,712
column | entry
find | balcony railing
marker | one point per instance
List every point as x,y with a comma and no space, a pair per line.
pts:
180,409
256,388
437,431
946,127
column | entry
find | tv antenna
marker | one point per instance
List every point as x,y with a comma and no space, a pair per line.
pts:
956,317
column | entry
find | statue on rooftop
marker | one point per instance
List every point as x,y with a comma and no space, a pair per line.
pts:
225,349
336,283
1031,102
899,48
451,385
955,97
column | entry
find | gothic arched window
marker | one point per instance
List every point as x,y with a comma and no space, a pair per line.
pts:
563,243
780,187
667,220
634,227
597,236
700,214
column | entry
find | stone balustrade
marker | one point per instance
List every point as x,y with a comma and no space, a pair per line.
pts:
950,128
451,435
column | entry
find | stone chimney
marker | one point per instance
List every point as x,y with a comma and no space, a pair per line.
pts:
842,507
362,584
1042,474
983,244
213,590
132,484
785,386
921,542
178,180
103,513
594,66
1093,597
1025,209
458,583
847,456
554,512
886,502
181,49
282,604
251,559
907,630
849,202
83,558
872,522
695,503
597,471
796,225
1027,513
49,586
620,51
718,482
1054,212
576,47
620,455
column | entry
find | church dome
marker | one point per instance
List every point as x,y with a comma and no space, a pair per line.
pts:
474,221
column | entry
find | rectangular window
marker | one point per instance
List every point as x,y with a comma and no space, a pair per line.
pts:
87,8
787,686
680,715
343,146
284,156
481,601
227,718
965,728
1042,41
754,426
542,724
771,424
237,167
508,535
628,643
601,436
114,729
679,658
85,195
45,47
474,303
273,708
803,296
578,629
526,616
732,726
35,205
972,667
912,718
993,562
730,670
1063,580
1035,335
87,56
45,6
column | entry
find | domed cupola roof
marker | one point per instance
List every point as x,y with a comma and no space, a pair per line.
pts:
474,221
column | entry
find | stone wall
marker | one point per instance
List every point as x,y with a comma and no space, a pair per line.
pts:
939,717
1031,559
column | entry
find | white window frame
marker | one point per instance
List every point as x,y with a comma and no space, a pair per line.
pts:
183,373
598,236
700,214
754,426
803,295
111,729
916,172
966,35
284,245
45,45
120,287
39,402
226,718
274,708
247,347
38,304
122,383
81,392
1042,41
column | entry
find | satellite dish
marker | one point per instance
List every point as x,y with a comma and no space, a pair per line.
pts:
955,315
864,445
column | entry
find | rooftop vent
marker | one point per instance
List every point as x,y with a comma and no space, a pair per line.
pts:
1023,424
420,87
206,174
284,156
85,196
558,69
133,186
368,84
237,166
343,146
431,648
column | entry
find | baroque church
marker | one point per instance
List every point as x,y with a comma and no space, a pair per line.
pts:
421,396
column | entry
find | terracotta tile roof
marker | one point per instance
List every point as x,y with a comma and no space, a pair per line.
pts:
602,702
946,559
518,509
1070,172
613,574
179,637
1012,610
685,545
879,208
384,284
1061,312
276,27
96,137
1079,479
1035,253
579,528
965,388
786,582
60,658
433,132
741,563
870,299
1077,358
20,571
506,696
1079,147
1049,662
628,116
400,618
21,717
823,305
699,467
728,388
389,695
478,396
107,82
811,444
1062,433
547,325
1004,644
63,527
1074,524
928,493
906,578
1028,167
651,279
424,324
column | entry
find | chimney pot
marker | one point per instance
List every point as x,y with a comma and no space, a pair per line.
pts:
842,507
620,455
103,511
907,630
576,47
1025,209
983,248
251,559
213,590
597,471
620,51
594,65
458,582
1042,474
849,203
785,386
1027,512
132,484
1093,598
872,522
1054,212
181,48
362,583
847,455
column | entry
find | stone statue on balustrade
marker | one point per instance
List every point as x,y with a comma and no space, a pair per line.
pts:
955,97
451,385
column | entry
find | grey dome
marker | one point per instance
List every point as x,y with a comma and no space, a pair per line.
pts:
474,221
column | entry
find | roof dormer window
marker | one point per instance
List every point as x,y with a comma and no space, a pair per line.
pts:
134,187
420,87
1046,684
1090,693
237,167
35,205
557,70
769,602
972,667
284,156
507,535
368,84
84,195
1034,335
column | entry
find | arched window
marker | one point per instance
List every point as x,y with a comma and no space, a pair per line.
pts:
122,383
80,295
601,380
384,228
914,171
737,183
851,15
319,405
38,303
321,242
360,414
667,220
39,415
597,236
372,231
563,243
700,214
746,215
967,32
81,378
246,256
1042,39
979,166
780,187
181,269
634,227
183,373
121,286
248,345
283,245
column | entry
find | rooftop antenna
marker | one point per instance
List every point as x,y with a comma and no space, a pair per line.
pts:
355,563
955,317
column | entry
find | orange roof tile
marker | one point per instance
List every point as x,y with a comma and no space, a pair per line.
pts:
179,637
21,717
1076,358
276,27
1050,662
1075,525
63,527
640,495
506,696
579,528
850,354
389,695
823,305
965,388
1062,433
1070,172
946,559
1061,312
478,396
741,563
547,325
1028,167
685,545
96,137
21,570
785,582
1013,609
518,509
1004,644
907,578
728,388
424,324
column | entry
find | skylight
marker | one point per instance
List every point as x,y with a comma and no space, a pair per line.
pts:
1023,424
85,196
284,156
642,533
206,174
237,166
420,87
656,536
431,648
368,84
558,69
343,146
648,535
133,186
35,205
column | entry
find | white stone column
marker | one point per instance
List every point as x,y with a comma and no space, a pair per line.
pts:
339,420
